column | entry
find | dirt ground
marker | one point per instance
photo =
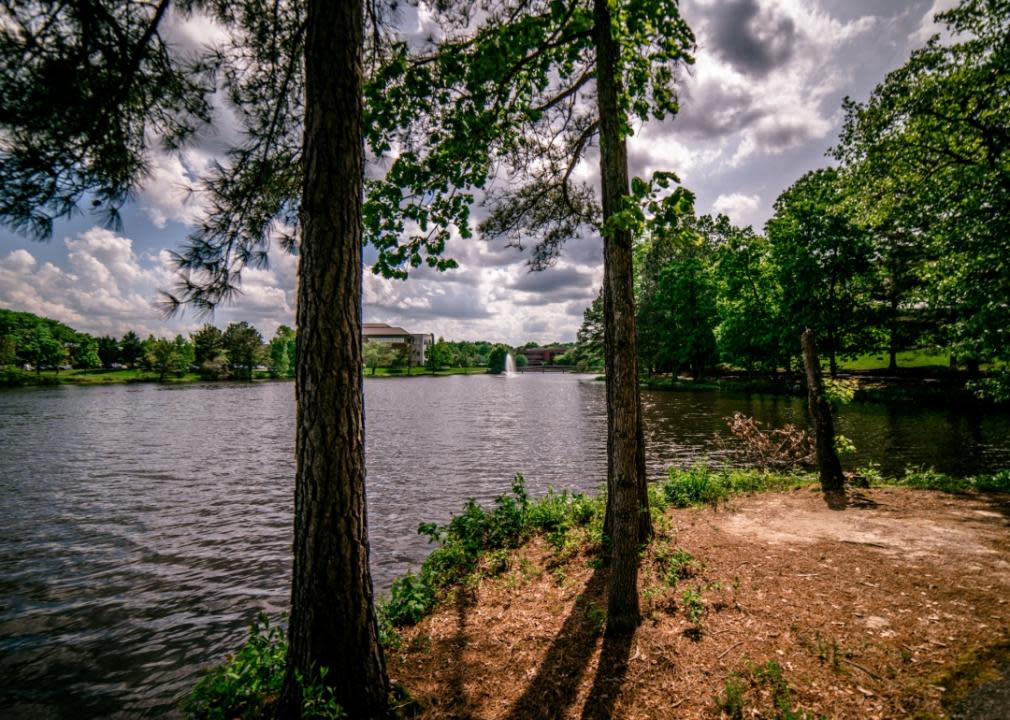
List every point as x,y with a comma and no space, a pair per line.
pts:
895,605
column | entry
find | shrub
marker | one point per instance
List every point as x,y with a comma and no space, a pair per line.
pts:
249,681
782,448
478,532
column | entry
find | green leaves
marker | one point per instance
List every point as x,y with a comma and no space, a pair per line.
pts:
929,153
503,114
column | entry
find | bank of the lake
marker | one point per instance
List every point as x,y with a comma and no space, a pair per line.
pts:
931,387
143,525
120,376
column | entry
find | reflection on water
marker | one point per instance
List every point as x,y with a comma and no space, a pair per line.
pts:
141,527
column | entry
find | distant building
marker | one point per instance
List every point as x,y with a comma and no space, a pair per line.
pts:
397,338
542,355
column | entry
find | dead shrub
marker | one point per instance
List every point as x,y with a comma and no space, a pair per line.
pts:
783,448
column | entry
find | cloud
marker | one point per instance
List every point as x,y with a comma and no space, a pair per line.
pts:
754,40
740,208
928,27
107,288
764,71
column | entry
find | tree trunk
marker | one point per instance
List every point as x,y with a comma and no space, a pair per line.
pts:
333,621
832,480
892,364
628,522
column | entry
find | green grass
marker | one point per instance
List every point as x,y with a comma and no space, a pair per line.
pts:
906,359
98,376
702,485
930,479
417,371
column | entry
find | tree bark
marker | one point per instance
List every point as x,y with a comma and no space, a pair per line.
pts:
627,521
333,621
832,479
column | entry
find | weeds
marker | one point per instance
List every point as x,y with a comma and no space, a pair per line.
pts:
732,703
694,606
676,564
701,485
930,479
482,538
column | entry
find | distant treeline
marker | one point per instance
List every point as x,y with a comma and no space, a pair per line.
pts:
36,344
30,342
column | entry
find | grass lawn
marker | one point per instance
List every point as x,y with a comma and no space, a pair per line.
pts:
906,359
402,372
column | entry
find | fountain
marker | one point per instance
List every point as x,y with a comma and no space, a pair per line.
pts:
510,365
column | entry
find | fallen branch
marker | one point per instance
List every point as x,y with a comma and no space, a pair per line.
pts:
865,670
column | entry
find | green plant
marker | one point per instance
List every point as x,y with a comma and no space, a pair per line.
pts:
410,599
248,681
701,485
731,702
481,538
770,674
318,700
239,687
677,564
596,617
694,606
844,446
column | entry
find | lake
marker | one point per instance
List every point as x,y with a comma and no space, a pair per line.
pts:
142,526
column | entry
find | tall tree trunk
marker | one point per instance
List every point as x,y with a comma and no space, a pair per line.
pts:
333,621
892,364
627,520
832,480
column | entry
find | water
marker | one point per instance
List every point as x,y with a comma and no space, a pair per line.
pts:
141,527
510,364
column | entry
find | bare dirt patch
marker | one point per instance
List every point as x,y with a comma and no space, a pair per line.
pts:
877,610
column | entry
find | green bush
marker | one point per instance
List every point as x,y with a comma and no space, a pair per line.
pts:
239,687
248,681
476,533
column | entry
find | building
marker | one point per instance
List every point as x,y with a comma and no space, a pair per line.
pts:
542,355
417,344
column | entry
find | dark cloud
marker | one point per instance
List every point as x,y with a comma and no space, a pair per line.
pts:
553,280
754,42
714,111
784,134
535,299
577,309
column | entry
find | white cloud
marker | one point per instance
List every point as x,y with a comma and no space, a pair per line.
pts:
741,209
107,288
928,27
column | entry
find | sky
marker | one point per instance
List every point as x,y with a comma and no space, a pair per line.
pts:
760,107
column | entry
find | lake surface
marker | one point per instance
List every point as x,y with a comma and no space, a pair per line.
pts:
142,527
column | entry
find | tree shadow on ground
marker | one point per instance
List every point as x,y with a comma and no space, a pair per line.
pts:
555,687
462,704
610,674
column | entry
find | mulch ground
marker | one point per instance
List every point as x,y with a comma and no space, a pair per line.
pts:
894,606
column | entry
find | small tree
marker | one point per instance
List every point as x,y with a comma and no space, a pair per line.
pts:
243,343
497,359
376,355
131,349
